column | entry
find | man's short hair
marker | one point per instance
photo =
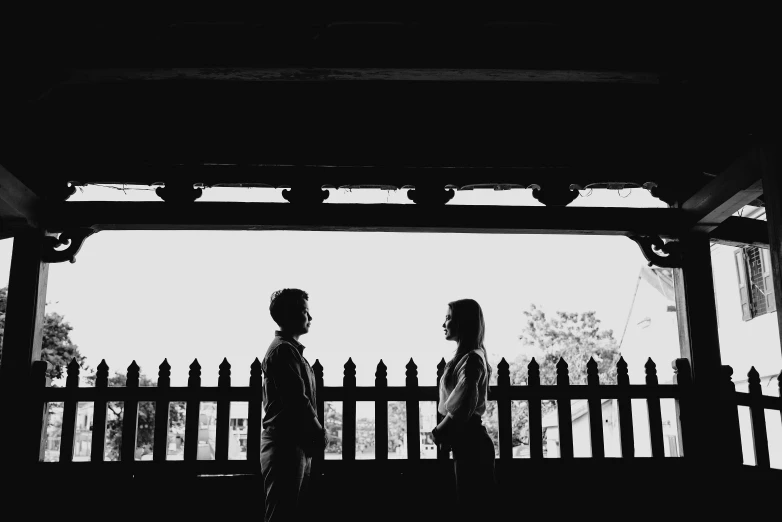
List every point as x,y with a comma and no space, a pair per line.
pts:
283,300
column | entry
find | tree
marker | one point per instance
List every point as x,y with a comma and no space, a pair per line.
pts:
332,421
573,337
145,434
56,346
397,424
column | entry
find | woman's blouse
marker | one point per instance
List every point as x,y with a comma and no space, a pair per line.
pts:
465,394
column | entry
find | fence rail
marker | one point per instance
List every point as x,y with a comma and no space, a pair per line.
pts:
349,394
757,404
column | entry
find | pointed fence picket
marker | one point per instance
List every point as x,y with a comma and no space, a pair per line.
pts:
757,403
411,394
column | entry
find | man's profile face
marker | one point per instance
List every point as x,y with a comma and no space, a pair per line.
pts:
299,319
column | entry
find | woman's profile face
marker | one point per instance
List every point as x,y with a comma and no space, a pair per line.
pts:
449,326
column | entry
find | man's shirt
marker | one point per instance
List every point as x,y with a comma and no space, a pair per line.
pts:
288,387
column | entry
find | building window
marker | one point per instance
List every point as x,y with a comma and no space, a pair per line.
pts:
753,265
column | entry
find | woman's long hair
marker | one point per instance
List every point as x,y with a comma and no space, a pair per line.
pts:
471,329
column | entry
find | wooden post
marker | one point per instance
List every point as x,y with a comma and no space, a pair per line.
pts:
758,415
39,415
595,404
381,412
731,416
255,412
413,424
349,412
654,411
22,337
682,378
130,416
564,414
223,412
699,343
535,414
99,416
192,413
624,405
316,470
441,453
766,158
69,412
504,410
160,445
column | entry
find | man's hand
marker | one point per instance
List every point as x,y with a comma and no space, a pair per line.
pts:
325,438
317,442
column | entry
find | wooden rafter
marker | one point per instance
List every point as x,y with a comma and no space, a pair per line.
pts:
323,74
737,231
17,204
735,187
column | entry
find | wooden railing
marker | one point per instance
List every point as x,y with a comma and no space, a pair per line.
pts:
757,404
412,394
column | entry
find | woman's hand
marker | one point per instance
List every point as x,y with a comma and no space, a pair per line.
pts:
436,437
440,434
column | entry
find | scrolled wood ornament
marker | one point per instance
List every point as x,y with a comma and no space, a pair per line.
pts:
71,238
305,195
665,254
59,192
666,194
554,195
426,195
178,192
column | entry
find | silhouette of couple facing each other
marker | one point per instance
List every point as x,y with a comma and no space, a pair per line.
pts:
292,432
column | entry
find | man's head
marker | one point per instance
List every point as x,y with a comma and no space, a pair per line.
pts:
289,308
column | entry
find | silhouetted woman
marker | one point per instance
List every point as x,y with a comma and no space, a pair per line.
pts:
463,389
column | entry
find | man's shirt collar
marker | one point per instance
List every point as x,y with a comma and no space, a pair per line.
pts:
288,337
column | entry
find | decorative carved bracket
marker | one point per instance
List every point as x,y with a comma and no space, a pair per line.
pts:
666,194
73,238
667,254
429,195
178,192
554,195
305,195
59,192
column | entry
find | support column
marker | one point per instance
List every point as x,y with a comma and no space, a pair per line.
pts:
767,160
21,341
699,342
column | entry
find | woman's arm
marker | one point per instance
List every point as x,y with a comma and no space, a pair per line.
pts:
463,400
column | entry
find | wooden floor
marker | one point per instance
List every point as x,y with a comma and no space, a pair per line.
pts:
551,489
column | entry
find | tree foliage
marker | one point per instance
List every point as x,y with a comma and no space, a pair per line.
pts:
145,433
56,347
397,424
574,337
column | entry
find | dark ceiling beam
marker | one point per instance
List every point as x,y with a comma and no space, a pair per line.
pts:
737,231
320,74
276,176
18,204
735,187
665,222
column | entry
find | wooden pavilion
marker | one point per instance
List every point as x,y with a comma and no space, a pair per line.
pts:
685,106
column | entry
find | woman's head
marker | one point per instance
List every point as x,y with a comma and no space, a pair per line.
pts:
464,323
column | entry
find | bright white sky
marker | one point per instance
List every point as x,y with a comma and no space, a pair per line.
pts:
205,294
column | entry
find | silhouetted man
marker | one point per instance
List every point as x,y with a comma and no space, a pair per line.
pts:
291,429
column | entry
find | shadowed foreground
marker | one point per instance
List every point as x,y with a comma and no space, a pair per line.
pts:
549,489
